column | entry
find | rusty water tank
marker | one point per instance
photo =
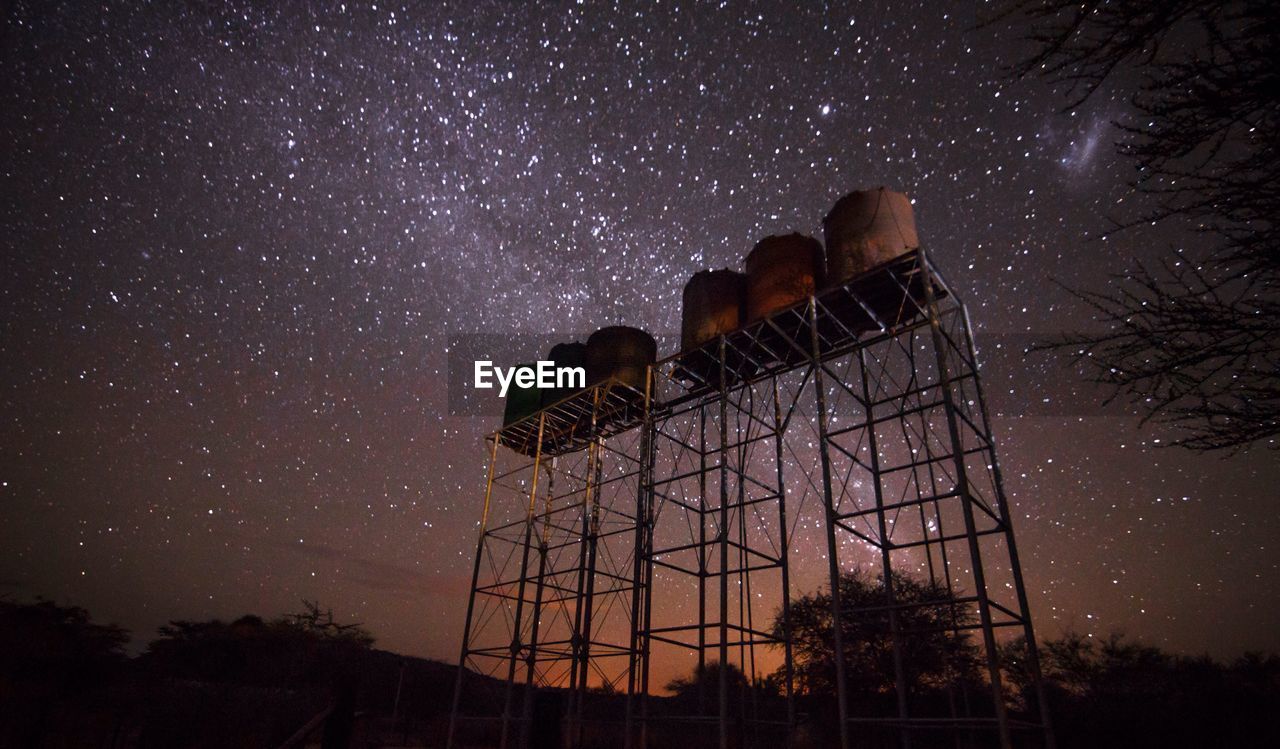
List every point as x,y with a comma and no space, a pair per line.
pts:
866,228
571,354
782,271
712,306
622,353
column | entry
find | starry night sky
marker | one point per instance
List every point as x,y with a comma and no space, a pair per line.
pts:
238,239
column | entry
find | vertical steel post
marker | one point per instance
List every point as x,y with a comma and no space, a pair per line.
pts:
531,678
641,584
1033,654
578,662
581,644
702,560
648,496
471,601
593,540
516,645
724,555
746,640
886,544
966,504
833,548
788,663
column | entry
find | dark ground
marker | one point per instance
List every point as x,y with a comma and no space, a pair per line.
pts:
67,682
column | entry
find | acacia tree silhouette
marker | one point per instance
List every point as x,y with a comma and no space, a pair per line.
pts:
1193,338
297,648
935,656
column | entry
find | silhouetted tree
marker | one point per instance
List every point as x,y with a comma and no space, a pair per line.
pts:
308,647
66,681
1113,692
701,688
319,622
748,700
44,641
934,657
270,676
707,674
52,658
1192,339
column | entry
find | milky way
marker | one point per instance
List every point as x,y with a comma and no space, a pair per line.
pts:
238,241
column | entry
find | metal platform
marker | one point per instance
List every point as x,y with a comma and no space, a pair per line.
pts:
882,299
878,301
569,425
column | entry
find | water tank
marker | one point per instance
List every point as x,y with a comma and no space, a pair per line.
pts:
864,229
572,354
712,306
520,401
621,353
782,271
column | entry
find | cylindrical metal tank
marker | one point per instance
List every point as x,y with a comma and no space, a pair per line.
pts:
622,353
781,272
520,401
572,354
712,306
866,228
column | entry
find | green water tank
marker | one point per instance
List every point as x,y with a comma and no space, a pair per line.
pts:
521,401
572,354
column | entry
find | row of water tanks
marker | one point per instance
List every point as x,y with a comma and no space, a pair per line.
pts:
863,229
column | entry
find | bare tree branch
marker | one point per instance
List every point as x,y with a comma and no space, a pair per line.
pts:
1194,339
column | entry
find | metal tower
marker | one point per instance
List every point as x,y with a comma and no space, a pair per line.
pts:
849,431
549,632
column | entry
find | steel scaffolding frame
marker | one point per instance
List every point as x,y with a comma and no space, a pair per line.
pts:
862,403
900,411
553,580
717,532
